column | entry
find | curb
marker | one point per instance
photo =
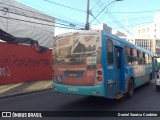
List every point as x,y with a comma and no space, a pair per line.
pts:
23,93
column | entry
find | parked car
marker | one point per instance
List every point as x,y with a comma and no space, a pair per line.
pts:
158,81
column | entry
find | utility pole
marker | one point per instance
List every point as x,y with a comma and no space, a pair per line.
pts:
87,16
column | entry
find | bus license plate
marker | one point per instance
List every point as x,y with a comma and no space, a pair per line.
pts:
73,89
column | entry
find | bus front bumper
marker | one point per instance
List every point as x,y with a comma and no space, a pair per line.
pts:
97,90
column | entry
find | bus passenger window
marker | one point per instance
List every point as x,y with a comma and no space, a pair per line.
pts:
144,59
110,52
128,52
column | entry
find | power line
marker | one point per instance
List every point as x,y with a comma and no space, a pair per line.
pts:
50,12
137,24
31,21
64,6
115,20
140,24
102,10
133,11
118,23
95,5
68,27
112,17
90,14
69,23
94,17
36,18
97,2
135,19
23,13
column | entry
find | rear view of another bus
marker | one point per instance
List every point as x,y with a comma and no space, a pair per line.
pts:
77,63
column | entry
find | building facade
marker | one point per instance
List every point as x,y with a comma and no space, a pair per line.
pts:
22,21
102,26
148,36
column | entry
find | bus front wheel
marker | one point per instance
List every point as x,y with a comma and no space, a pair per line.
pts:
130,88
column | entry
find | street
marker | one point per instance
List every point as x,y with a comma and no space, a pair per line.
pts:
146,98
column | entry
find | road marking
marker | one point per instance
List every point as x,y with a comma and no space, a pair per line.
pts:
8,88
39,85
4,86
48,85
33,86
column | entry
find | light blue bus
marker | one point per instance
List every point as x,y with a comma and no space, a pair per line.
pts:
96,63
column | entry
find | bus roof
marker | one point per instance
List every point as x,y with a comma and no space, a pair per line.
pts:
128,43
94,32
80,32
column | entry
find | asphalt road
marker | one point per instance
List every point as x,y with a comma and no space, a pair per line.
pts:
146,98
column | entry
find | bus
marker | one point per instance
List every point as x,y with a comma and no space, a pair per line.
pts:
97,63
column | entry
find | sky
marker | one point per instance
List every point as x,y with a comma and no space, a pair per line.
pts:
123,15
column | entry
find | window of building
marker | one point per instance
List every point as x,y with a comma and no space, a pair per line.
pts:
143,31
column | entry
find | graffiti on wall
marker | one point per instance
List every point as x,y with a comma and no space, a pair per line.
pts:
14,61
19,63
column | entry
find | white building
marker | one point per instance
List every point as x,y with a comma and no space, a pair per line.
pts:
144,32
156,26
115,32
130,39
102,26
148,36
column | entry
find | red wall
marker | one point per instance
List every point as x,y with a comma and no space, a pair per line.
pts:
20,63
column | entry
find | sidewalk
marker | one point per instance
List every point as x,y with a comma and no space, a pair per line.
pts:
22,88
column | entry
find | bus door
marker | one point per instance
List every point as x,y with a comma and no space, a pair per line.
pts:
109,69
118,68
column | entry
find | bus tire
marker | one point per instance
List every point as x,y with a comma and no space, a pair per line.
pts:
130,92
